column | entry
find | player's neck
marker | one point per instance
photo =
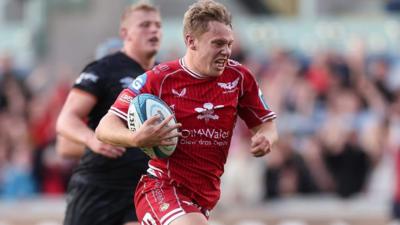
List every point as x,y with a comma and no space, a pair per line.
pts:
190,63
145,61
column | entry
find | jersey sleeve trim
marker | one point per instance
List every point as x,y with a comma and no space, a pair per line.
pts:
270,116
118,113
83,91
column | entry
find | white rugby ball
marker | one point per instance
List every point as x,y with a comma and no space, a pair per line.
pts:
143,107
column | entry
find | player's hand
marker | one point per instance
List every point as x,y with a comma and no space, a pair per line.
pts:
106,150
260,145
156,133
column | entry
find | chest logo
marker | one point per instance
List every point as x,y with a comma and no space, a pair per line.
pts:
179,94
229,85
87,76
207,112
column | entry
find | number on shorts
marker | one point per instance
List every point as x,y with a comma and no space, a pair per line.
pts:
148,220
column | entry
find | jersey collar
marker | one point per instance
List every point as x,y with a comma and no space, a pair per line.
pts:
189,71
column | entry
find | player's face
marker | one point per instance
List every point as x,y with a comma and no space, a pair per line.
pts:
143,32
213,48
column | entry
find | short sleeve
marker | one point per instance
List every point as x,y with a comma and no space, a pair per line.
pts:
252,107
91,81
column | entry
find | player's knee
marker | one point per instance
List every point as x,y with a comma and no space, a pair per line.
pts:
190,218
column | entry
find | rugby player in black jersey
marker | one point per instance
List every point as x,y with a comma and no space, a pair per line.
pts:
102,187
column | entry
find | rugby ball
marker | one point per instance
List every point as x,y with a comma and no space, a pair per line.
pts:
143,107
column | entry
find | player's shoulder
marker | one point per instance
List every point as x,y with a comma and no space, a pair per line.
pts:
236,67
154,76
166,68
234,63
105,65
89,75
98,71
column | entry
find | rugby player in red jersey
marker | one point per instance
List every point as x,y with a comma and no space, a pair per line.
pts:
207,91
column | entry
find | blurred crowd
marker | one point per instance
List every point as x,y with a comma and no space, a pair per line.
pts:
338,119
29,106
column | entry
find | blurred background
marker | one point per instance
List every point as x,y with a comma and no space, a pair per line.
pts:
330,69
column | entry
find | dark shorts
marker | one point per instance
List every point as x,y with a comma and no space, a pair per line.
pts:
396,210
93,205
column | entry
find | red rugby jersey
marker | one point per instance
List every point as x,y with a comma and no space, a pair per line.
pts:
207,107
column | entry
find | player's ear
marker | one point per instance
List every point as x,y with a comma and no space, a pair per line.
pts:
190,42
123,32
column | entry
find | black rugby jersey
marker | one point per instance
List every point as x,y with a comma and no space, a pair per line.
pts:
105,79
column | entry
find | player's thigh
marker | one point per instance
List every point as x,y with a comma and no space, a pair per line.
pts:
190,218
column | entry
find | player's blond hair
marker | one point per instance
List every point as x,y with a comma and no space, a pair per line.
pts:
141,5
199,14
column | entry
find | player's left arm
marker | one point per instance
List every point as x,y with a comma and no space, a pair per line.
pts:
254,110
265,135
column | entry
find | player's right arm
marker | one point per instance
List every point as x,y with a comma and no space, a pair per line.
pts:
71,123
113,129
